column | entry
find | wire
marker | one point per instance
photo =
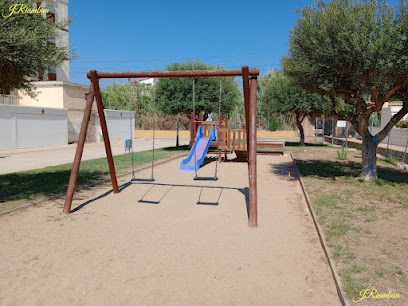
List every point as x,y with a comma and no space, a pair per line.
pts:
154,122
195,151
219,112
131,134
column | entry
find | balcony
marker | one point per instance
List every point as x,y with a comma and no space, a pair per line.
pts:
9,99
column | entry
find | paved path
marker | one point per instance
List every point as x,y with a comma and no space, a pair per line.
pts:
27,159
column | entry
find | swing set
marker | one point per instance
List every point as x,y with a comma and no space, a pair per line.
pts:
248,140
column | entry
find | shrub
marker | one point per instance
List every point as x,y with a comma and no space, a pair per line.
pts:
402,124
273,126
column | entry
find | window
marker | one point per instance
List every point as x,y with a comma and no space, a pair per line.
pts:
51,16
52,76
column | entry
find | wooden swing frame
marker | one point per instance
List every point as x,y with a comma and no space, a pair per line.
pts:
249,80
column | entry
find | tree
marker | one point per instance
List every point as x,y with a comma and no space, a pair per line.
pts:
24,50
281,95
357,51
175,95
116,96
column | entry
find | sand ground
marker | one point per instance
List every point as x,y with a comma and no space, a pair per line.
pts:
117,250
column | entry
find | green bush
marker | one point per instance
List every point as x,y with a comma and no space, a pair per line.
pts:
402,124
273,126
277,122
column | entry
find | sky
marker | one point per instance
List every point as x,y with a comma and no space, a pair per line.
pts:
149,35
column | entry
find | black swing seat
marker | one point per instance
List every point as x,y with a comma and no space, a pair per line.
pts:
203,178
148,202
142,180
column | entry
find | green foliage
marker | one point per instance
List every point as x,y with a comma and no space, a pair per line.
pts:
276,122
281,95
116,96
349,48
175,95
402,124
375,119
357,51
343,154
273,126
23,47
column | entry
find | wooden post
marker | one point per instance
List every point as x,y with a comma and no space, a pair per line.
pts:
79,150
245,85
200,119
104,128
253,193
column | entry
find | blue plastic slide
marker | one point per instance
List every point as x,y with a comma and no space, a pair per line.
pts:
197,154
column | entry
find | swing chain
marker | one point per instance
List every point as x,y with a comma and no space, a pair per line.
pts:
131,130
154,122
219,112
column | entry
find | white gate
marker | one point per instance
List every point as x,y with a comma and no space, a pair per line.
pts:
29,126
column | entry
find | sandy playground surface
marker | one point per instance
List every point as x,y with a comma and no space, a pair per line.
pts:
193,247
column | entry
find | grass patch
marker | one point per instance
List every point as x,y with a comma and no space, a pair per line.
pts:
329,200
338,251
353,285
389,160
359,218
399,271
19,188
338,228
343,154
380,272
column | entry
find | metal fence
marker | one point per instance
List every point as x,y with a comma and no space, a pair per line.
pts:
394,146
397,143
9,99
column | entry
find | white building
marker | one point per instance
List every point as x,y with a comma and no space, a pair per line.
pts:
389,110
54,116
58,12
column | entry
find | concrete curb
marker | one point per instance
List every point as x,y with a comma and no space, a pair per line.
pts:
342,295
79,188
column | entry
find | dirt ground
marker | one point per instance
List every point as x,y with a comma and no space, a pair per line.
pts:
193,247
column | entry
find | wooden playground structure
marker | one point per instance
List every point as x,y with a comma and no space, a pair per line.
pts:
230,138
247,137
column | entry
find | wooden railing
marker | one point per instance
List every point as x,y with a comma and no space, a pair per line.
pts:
206,126
232,140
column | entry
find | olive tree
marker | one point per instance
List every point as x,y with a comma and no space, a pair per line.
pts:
281,95
357,51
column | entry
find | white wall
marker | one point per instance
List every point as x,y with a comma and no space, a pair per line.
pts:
386,114
28,127
7,140
121,124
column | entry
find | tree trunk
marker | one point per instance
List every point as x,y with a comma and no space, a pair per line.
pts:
369,156
299,120
301,132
